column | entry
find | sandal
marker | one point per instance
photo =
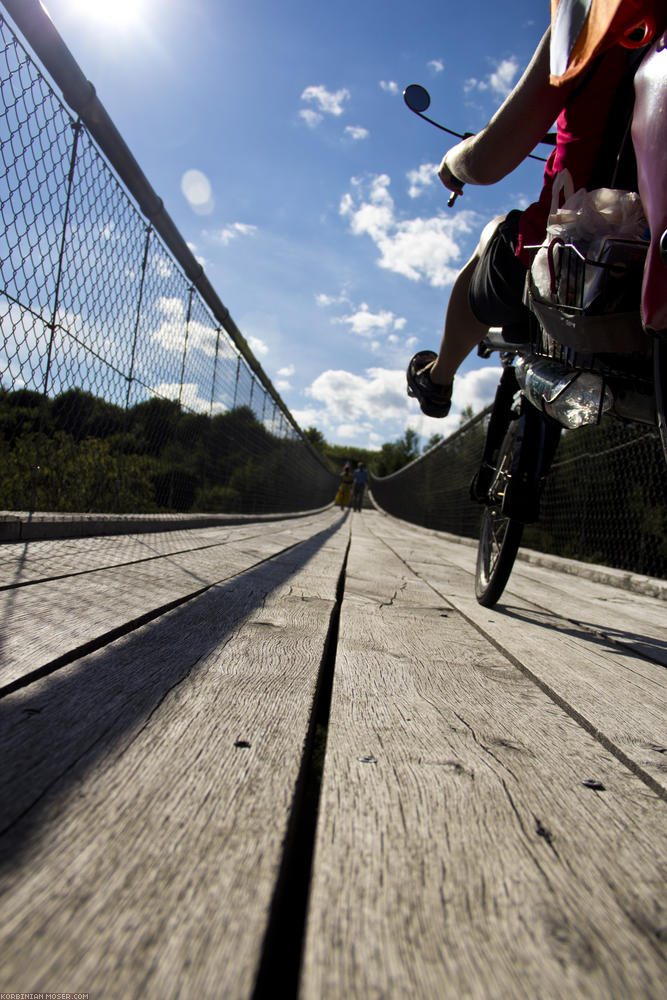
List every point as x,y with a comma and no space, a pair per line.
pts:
434,400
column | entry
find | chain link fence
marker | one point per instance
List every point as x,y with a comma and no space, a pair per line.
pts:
125,384
126,387
605,500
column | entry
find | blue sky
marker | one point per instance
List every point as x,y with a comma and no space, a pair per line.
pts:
276,134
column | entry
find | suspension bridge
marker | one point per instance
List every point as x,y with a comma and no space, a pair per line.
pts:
251,742
299,751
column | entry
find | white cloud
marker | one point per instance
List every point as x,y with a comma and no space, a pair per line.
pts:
233,231
193,249
311,118
324,300
173,309
390,86
500,80
170,334
287,371
421,178
309,416
189,396
163,266
364,322
420,249
327,102
349,398
282,384
257,346
436,65
348,431
373,408
356,132
475,388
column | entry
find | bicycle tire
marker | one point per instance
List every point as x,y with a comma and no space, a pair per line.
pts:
500,536
495,556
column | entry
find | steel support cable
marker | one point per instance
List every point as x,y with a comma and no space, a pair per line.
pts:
79,94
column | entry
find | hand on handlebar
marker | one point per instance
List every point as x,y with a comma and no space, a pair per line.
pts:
451,182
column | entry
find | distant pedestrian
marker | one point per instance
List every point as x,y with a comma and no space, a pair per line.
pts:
344,490
360,476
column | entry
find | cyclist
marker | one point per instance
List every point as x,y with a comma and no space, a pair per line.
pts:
488,290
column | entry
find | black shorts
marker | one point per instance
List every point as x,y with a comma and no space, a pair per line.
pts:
496,287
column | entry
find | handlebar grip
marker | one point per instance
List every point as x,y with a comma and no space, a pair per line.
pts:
454,195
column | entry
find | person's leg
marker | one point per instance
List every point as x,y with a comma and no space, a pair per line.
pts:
430,379
462,331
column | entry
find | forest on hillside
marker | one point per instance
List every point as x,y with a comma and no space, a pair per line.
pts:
606,500
77,452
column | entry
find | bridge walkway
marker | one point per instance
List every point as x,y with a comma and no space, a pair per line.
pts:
299,753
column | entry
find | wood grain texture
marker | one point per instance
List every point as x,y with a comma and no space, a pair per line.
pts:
459,851
635,621
50,619
25,562
146,791
612,685
474,839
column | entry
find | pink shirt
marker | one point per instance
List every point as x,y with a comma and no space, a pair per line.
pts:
581,125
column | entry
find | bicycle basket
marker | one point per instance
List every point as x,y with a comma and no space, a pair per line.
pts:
591,305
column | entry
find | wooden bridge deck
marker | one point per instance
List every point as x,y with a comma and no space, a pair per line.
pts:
297,758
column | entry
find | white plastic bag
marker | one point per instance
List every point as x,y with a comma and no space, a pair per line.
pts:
587,220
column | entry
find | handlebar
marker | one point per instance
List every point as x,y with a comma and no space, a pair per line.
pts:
418,100
454,195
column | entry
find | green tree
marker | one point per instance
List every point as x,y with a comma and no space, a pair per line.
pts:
434,440
393,456
316,438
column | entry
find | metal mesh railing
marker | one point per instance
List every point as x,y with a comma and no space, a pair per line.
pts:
605,500
125,385
433,491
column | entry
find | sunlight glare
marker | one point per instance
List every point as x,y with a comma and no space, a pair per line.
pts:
119,13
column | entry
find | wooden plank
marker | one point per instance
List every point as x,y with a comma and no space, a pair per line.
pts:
459,851
146,791
620,695
636,621
53,619
26,562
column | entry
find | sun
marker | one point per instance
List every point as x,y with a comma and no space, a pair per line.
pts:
119,13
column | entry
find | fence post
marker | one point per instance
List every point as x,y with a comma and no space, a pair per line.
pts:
236,383
215,369
180,393
185,344
144,264
129,378
76,127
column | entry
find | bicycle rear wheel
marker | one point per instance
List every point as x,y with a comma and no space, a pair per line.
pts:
500,536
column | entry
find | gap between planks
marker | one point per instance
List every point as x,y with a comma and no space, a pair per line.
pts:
459,850
148,791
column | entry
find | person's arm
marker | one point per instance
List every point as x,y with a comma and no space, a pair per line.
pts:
518,125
